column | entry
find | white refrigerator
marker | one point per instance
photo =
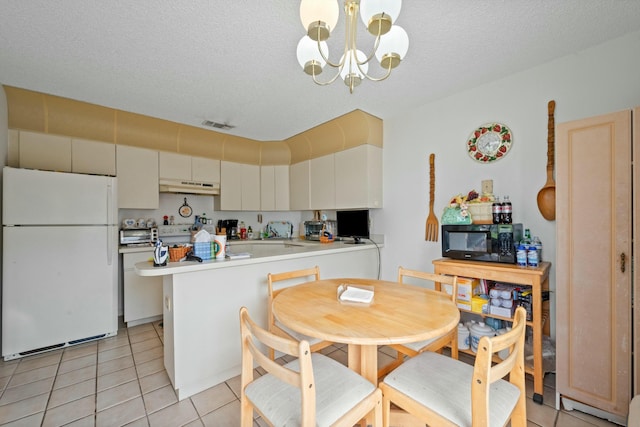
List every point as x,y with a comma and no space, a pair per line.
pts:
60,260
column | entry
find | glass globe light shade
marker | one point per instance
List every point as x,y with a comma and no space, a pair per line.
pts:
349,68
326,11
371,8
393,44
309,56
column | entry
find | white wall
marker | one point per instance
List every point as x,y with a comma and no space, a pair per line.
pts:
601,79
4,136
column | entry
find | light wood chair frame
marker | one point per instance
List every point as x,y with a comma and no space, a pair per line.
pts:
484,374
252,336
279,277
450,339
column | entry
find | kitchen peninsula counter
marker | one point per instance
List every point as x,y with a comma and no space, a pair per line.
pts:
201,301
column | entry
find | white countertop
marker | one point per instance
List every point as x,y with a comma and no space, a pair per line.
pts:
260,250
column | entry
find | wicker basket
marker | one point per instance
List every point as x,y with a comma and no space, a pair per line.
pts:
177,253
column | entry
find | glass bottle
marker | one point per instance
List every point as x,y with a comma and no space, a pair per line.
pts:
507,209
496,211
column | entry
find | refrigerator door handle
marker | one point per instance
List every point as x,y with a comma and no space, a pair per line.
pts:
110,243
110,227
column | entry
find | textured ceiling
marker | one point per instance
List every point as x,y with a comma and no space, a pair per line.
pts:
234,61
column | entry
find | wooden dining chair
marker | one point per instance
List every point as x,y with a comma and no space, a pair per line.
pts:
312,390
443,391
274,325
448,285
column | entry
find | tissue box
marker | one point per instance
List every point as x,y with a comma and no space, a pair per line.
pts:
479,304
204,250
466,287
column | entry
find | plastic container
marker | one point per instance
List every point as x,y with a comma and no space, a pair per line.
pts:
463,337
478,331
203,250
538,244
521,256
220,246
532,256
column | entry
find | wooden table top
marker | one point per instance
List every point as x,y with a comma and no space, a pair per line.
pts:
399,313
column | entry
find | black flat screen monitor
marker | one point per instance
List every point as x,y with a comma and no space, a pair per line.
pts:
353,224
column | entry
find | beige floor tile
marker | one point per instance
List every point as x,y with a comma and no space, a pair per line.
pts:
33,362
213,398
23,408
159,399
114,365
8,368
146,345
138,329
30,421
69,412
114,353
77,391
80,351
121,415
74,377
33,375
228,415
234,384
147,355
4,381
586,418
150,367
117,395
143,336
116,378
195,423
78,363
154,381
140,422
89,421
113,342
542,415
26,391
177,414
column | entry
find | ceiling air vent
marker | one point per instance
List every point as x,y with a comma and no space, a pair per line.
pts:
217,125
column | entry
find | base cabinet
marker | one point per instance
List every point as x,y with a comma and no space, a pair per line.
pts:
142,295
537,278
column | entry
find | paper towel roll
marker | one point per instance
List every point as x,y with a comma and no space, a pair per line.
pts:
219,242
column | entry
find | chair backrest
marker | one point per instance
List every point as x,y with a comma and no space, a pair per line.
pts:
446,282
252,336
485,372
307,273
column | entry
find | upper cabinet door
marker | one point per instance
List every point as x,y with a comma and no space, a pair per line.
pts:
137,171
358,174
205,170
230,186
93,157
45,152
299,186
281,177
174,166
250,187
322,182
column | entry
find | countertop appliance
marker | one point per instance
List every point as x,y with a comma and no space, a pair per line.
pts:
313,229
481,242
138,236
60,260
231,227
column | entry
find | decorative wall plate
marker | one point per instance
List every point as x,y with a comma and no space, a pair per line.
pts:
489,142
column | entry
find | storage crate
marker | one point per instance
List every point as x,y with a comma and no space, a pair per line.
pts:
204,250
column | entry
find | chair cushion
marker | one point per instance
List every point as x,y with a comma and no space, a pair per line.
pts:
417,346
297,335
338,390
444,385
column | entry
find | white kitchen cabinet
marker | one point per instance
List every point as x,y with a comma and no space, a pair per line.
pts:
358,177
93,157
188,168
137,172
205,170
274,188
44,151
142,295
239,187
299,186
322,182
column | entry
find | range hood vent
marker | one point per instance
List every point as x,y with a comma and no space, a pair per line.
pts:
189,187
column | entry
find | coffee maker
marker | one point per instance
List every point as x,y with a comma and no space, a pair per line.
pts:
231,226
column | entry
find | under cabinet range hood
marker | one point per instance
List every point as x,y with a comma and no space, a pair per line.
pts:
189,187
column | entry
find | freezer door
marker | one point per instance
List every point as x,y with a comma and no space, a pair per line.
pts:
59,285
34,197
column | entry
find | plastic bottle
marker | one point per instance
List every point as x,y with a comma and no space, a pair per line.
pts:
243,230
521,255
538,244
496,211
532,256
507,211
526,239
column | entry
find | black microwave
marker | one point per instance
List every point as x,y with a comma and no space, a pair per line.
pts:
481,242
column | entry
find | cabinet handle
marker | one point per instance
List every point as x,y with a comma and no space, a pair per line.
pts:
623,258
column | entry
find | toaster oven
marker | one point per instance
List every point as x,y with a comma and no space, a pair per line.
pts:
138,236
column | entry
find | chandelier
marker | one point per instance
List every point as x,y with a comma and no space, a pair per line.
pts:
319,17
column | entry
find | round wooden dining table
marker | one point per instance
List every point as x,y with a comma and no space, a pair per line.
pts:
398,313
